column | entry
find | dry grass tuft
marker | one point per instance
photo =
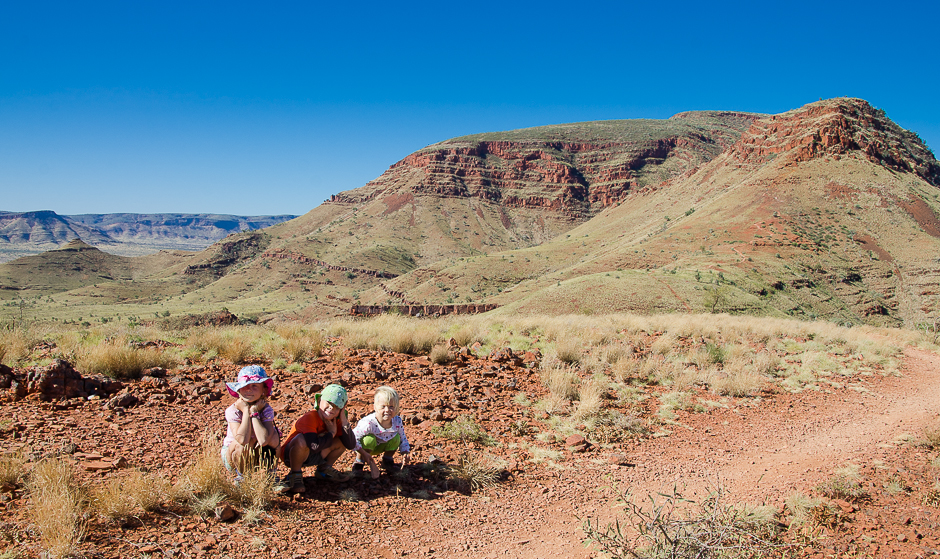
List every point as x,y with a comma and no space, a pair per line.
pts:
205,483
590,398
115,358
561,381
13,467
931,435
299,343
257,488
568,350
477,471
464,429
466,336
111,502
56,507
120,498
844,484
441,355
738,379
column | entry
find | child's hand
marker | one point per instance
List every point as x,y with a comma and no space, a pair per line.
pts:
405,458
257,406
374,469
242,406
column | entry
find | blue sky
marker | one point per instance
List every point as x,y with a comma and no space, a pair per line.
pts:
251,109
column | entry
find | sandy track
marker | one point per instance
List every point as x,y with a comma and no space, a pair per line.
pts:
760,454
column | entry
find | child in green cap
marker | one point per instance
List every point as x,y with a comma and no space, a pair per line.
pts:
318,439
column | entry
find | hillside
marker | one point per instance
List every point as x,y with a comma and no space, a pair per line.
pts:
828,211
825,211
124,234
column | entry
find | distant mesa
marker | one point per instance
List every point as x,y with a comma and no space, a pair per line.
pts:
124,234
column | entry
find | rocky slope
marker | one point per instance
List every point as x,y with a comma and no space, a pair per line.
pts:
826,211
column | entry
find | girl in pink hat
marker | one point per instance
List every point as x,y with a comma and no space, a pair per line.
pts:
251,430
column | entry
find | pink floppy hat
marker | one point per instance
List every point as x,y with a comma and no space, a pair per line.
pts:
250,375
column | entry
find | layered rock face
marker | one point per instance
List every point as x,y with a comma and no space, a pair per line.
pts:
575,170
835,128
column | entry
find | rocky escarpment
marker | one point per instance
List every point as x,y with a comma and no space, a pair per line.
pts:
576,170
227,253
834,128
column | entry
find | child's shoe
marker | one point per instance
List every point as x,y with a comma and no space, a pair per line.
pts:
389,465
329,473
281,485
295,480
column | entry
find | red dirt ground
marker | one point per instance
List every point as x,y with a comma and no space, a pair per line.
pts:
758,449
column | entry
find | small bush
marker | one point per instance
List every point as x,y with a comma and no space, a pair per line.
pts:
441,355
716,353
464,429
56,507
676,526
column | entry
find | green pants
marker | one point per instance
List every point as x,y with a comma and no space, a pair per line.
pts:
373,446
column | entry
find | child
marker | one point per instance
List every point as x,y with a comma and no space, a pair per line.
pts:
318,439
382,431
251,431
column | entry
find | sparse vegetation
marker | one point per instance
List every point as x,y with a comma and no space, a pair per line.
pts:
845,483
464,429
476,471
13,468
57,502
671,525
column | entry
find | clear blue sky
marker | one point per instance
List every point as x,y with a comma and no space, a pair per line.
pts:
268,108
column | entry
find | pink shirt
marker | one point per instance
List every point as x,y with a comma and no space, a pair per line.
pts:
232,414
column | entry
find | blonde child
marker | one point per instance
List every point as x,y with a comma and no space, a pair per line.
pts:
251,431
381,432
318,439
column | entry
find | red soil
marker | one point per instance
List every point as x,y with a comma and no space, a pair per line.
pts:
758,449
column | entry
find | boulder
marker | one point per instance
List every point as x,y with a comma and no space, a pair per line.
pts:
60,381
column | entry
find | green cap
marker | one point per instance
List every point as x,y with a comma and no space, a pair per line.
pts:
335,394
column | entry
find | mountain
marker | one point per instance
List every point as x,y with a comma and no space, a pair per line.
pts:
126,234
826,211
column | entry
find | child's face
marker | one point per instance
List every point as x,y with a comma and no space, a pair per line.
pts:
251,392
329,409
384,410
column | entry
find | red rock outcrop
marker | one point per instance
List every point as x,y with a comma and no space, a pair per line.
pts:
835,128
577,178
